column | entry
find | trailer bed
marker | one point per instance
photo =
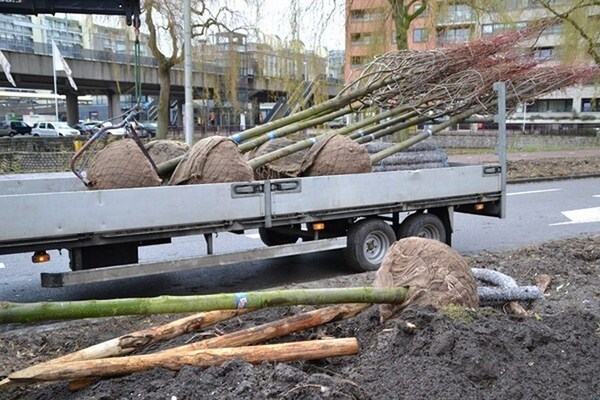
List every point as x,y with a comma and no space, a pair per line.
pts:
59,210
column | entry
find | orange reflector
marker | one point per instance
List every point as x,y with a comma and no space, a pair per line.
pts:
479,207
319,226
40,257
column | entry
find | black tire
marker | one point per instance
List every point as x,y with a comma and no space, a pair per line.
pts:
35,134
272,237
423,225
368,242
11,134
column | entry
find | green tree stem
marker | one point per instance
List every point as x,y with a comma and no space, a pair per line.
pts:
32,312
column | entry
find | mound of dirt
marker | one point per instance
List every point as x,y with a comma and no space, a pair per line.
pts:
454,353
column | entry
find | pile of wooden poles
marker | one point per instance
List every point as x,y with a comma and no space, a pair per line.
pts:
111,358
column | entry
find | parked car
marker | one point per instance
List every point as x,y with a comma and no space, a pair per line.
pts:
53,129
85,129
11,128
145,129
116,131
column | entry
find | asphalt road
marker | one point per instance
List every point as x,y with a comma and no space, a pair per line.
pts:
535,213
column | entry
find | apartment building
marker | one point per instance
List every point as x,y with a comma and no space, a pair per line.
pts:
370,31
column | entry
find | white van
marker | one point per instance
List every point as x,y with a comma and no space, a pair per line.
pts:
53,129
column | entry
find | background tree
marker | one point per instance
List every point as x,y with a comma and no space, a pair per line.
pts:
581,22
403,13
164,21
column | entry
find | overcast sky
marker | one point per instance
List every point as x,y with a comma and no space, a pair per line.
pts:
321,22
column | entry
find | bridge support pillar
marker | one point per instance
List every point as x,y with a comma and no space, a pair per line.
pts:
114,106
72,109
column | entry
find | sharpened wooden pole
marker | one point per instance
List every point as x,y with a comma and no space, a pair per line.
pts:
79,370
245,337
138,340
24,312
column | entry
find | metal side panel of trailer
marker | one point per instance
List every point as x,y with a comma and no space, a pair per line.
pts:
30,208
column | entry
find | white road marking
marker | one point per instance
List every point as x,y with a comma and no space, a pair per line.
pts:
533,192
2,265
582,216
253,236
596,195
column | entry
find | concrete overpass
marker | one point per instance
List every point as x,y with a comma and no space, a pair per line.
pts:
112,78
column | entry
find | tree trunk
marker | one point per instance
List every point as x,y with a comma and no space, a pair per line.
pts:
16,312
78,370
162,123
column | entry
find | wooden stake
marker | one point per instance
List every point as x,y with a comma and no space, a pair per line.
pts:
78,370
244,337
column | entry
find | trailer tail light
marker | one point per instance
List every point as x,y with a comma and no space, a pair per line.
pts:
319,226
479,207
40,257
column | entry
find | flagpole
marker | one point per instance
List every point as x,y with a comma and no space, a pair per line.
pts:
55,96
54,73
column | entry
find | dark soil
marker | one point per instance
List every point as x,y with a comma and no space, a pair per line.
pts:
488,353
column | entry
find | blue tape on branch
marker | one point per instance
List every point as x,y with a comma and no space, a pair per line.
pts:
360,133
313,140
236,138
241,301
272,135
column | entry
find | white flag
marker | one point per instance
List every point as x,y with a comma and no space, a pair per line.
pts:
61,65
6,67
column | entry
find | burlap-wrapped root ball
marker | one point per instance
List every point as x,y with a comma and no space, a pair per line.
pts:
121,165
435,273
285,167
336,155
212,160
165,150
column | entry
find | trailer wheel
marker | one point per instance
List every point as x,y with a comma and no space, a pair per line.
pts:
368,242
271,237
427,226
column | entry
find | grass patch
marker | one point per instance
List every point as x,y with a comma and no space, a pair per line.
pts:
459,313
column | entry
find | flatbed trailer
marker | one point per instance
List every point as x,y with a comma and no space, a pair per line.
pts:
359,212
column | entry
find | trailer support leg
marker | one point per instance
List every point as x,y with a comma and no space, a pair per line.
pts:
209,243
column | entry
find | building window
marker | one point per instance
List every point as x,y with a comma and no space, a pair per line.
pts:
495,29
551,105
453,36
543,52
420,35
590,105
360,39
555,29
364,15
458,13
358,60
423,14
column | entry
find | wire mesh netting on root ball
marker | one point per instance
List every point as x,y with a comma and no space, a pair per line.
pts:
165,150
285,167
435,273
121,165
212,160
335,155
